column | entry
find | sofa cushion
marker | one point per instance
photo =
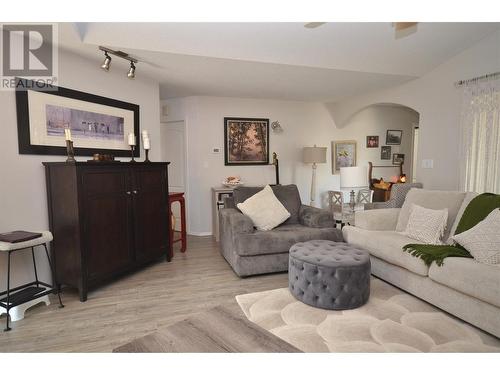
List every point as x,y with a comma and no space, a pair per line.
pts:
386,245
280,239
426,225
434,199
265,210
288,195
469,277
379,219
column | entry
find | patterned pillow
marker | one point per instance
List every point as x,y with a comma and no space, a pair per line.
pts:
483,240
426,225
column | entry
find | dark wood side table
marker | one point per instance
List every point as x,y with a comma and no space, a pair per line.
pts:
178,197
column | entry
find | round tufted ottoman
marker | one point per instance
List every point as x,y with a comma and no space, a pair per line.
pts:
330,275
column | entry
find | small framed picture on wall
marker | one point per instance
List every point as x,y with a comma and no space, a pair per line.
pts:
385,153
398,159
343,155
371,141
393,137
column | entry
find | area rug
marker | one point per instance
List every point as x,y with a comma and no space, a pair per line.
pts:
392,321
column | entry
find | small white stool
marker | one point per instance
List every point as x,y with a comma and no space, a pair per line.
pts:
15,301
17,312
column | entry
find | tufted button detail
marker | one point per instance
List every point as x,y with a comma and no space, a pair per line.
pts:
338,272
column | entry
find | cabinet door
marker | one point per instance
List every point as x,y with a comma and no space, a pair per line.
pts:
151,213
107,202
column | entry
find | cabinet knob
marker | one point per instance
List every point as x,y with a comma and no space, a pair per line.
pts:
128,193
135,191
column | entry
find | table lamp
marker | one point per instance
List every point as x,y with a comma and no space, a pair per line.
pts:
353,177
314,155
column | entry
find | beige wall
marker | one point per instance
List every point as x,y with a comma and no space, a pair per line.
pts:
377,119
305,124
23,203
438,101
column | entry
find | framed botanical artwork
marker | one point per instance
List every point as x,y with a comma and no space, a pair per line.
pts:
393,137
398,159
98,124
385,153
246,141
371,141
343,155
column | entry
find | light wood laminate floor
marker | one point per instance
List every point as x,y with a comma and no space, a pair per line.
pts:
135,305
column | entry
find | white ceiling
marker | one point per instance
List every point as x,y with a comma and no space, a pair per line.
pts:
276,60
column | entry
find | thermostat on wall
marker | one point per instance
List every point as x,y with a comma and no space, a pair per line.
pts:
215,150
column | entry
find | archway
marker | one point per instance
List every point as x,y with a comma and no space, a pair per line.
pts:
388,133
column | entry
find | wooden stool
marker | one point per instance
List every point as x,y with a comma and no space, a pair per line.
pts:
178,197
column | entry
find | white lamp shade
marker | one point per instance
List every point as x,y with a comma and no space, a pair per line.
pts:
353,177
314,155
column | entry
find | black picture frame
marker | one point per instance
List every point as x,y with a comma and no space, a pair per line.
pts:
227,122
372,141
23,120
393,137
385,153
398,159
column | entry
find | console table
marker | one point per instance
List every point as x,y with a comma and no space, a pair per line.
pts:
218,195
106,218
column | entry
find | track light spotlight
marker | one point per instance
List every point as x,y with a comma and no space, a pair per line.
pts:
107,62
122,55
131,71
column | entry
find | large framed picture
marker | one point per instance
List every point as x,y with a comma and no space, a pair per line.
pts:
98,124
246,141
393,137
343,155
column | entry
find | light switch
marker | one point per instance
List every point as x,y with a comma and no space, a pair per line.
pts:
428,163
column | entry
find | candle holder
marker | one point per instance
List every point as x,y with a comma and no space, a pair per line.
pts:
147,157
132,148
70,151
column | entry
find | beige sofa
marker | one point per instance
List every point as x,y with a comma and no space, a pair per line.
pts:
463,287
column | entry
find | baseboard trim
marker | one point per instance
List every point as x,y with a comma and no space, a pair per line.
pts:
200,234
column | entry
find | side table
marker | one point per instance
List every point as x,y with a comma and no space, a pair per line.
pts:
218,195
178,197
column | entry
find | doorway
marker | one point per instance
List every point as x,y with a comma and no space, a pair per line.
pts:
415,152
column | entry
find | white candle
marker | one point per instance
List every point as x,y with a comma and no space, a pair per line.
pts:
145,134
131,139
67,134
147,144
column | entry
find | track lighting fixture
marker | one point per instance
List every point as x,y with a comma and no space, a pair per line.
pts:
107,60
131,71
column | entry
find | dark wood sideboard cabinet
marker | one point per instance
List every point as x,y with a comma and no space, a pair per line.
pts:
107,219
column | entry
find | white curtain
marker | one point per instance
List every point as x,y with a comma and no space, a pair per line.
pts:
480,125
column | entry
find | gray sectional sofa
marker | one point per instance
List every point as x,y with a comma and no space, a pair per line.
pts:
252,252
462,286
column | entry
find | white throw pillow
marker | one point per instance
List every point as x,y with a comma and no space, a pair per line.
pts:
265,210
426,225
482,241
